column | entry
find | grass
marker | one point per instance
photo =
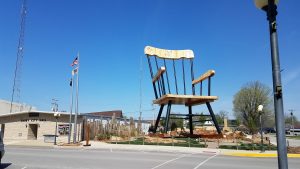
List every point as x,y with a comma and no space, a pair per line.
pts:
188,143
293,137
248,147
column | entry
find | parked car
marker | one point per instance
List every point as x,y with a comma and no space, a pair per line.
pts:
269,130
293,132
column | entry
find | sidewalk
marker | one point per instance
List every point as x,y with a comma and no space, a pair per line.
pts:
35,143
155,148
149,148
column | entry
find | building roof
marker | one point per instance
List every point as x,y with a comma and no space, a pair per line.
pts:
42,112
118,113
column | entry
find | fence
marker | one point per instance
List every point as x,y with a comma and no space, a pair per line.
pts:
112,128
130,131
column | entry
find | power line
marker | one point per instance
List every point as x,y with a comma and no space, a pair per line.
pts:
291,111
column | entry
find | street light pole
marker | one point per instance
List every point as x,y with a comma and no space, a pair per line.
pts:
55,130
292,122
260,110
56,115
261,135
262,149
270,7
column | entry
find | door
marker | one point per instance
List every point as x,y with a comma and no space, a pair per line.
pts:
2,131
32,132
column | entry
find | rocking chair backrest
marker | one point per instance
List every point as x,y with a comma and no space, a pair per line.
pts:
169,54
162,61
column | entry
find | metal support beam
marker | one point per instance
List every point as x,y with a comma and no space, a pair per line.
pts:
192,76
209,85
175,78
158,117
213,117
191,120
168,116
207,115
200,88
183,76
167,76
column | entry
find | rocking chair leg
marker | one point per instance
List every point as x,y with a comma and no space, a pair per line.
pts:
158,117
190,120
168,116
213,117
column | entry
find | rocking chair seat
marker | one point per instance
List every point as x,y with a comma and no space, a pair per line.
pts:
188,100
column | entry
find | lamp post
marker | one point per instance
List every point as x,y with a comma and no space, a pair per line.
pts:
270,7
292,123
260,111
56,116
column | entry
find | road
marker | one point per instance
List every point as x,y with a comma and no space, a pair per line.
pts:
50,158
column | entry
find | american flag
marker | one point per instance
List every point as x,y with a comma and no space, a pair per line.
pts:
74,71
75,62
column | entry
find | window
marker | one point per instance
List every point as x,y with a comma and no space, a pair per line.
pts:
33,114
63,129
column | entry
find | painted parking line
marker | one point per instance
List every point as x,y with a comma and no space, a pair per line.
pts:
203,162
164,163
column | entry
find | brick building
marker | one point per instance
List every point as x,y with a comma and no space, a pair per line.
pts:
36,125
27,123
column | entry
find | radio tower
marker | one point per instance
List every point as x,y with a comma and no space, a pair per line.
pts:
15,97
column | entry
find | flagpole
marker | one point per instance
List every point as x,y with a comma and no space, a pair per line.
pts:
71,109
76,108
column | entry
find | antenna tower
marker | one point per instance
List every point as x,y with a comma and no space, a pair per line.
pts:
20,52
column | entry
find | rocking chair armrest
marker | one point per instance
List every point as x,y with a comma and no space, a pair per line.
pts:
206,75
160,72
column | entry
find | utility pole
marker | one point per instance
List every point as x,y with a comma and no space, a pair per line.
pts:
56,116
15,97
54,105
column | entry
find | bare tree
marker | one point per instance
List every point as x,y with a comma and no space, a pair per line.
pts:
288,120
220,116
246,102
202,119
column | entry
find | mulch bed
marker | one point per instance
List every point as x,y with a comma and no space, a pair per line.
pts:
186,135
293,150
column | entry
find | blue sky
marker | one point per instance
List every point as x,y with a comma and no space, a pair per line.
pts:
228,36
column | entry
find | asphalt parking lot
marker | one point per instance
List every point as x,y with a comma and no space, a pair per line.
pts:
46,158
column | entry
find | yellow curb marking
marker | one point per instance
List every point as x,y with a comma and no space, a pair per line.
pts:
260,155
294,155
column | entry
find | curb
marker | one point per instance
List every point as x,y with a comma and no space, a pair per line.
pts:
160,149
29,146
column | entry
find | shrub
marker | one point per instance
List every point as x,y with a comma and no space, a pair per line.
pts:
103,136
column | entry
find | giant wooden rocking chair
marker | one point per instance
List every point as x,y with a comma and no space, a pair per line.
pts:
164,96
